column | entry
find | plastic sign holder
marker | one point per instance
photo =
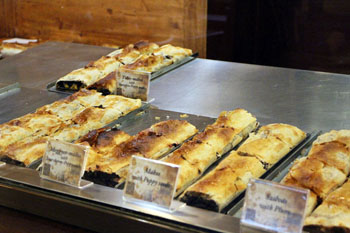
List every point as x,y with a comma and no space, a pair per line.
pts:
65,163
151,182
133,84
273,207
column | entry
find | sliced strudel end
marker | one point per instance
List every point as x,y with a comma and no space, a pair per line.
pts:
106,85
173,53
311,201
218,188
333,215
39,124
25,152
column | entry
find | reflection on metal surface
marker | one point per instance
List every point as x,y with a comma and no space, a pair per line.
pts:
176,206
113,197
20,101
6,88
83,183
45,63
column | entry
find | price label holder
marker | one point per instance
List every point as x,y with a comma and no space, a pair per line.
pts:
133,84
273,207
65,163
151,183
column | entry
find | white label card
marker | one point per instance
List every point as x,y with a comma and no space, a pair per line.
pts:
133,84
64,162
274,207
151,181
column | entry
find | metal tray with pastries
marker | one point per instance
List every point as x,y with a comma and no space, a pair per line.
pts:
143,56
152,133
23,140
325,171
263,154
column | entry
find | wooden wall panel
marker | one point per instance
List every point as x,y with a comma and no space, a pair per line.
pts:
195,26
7,18
180,22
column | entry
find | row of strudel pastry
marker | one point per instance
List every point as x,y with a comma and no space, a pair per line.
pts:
258,153
10,47
24,139
197,154
141,56
324,169
111,150
333,215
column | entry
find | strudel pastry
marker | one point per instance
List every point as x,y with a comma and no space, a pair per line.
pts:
197,154
152,143
333,215
23,139
173,53
325,168
220,186
272,142
141,56
28,125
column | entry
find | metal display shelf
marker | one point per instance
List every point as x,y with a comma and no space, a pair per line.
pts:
310,100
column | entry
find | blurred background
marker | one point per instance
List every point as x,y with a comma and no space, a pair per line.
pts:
302,34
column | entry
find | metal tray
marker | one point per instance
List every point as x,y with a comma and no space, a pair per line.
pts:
215,164
134,123
237,201
137,121
35,164
143,117
275,173
52,86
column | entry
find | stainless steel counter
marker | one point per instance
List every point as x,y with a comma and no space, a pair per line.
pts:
310,100
36,67
22,100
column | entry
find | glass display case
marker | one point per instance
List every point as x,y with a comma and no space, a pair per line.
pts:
197,90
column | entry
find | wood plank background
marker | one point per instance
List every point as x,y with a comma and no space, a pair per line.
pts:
179,22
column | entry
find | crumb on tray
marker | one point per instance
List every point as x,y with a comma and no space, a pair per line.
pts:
140,113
